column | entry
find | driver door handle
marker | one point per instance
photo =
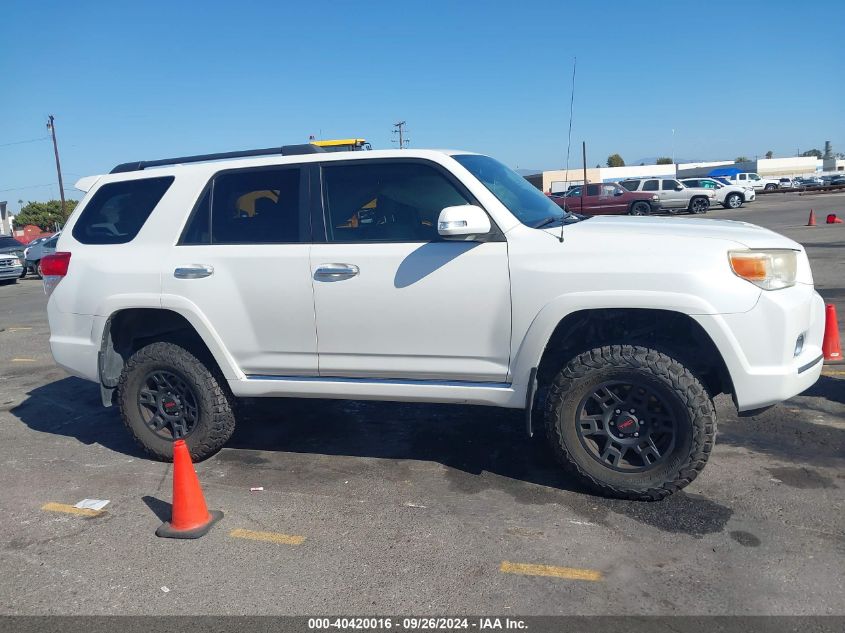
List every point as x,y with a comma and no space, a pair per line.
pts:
335,272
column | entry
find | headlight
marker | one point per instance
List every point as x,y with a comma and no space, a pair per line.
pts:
769,269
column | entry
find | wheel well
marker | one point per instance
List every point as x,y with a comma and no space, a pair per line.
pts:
673,333
129,330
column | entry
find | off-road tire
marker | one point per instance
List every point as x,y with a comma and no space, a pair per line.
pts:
694,409
733,201
216,420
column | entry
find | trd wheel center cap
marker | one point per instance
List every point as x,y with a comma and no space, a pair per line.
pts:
170,406
626,425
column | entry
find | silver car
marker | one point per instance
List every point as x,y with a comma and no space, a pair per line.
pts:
38,249
674,197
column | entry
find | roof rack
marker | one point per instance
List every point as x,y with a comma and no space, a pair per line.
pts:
284,150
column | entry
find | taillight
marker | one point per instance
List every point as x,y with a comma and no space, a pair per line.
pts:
55,265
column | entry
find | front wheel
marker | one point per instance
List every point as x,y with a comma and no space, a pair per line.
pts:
640,208
699,205
733,201
630,422
166,393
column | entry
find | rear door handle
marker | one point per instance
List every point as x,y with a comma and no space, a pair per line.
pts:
193,272
335,272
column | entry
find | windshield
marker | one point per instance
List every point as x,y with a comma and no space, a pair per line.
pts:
530,205
6,241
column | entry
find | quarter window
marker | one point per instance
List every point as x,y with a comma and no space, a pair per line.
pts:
118,210
386,201
259,206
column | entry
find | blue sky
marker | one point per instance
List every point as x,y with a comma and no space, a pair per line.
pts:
129,81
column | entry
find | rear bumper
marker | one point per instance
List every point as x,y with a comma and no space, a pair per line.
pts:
74,343
758,346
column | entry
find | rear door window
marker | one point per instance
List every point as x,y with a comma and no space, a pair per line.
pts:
252,206
118,210
650,185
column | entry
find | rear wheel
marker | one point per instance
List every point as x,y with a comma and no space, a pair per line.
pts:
630,422
770,187
733,201
699,205
37,269
639,208
166,393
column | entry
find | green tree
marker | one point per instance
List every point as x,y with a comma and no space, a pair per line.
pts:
45,215
664,160
615,160
741,159
769,154
812,152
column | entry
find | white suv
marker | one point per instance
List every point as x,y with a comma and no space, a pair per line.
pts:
424,276
729,196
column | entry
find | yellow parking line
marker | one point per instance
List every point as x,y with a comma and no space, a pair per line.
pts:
569,573
832,372
17,329
23,360
270,537
68,509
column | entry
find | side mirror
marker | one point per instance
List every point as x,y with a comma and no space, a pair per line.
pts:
679,188
465,221
618,192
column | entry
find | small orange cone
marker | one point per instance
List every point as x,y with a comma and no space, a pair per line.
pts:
832,219
190,517
830,345
812,220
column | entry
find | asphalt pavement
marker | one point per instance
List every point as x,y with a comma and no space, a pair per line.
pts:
385,508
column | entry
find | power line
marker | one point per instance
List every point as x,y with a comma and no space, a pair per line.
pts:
32,140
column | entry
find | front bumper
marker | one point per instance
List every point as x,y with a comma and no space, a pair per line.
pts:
758,346
10,272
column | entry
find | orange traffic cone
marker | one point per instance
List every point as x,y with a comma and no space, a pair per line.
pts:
830,344
832,219
812,220
190,517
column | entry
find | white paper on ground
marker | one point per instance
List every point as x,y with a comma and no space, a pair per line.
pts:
92,504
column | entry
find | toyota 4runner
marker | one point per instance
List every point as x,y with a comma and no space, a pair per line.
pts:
180,286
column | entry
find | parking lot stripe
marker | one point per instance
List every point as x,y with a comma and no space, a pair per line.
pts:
68,509
270,537
833,372
568,573
23,360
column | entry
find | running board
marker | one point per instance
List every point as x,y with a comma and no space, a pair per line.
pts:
456,392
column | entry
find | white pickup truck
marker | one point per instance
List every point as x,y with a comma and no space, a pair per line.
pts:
750,179
181,285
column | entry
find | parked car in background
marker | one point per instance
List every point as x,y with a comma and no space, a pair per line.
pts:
807,181
11,268
729,196
10,246
39,248
753,180
837,180
785,183
607,198
673,196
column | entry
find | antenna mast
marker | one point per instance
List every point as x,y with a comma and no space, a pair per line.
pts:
569,141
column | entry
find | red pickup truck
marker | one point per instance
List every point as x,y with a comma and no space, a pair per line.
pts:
607,198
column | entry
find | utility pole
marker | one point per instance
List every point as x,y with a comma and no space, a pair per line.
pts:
51,125
400,130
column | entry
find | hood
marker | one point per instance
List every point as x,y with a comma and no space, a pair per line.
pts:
741,233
